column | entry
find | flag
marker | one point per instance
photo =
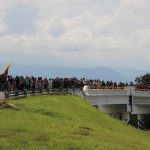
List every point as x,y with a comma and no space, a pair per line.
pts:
5,71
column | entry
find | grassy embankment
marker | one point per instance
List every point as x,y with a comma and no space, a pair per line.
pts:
65,123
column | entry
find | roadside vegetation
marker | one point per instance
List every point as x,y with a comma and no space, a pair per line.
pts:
65,123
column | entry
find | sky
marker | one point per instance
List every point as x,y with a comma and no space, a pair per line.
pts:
114,33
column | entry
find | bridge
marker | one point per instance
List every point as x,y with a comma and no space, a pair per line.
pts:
123,103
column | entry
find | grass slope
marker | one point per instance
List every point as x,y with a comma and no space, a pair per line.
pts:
65,123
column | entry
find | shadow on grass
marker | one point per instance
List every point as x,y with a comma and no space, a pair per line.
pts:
85,131
42,138
51,114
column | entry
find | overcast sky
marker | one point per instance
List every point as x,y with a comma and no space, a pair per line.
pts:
113,33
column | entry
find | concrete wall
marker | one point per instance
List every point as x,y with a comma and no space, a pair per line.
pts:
140,109
141,100
106,100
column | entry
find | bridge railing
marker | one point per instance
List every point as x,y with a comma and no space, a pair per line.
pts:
107,87
24,93
104,90
140,92
111,90
90,90
145,90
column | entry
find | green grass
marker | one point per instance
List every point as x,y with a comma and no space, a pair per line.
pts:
65,123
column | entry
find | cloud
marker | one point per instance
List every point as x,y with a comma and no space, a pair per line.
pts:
20,18
67,32
50,26
133,4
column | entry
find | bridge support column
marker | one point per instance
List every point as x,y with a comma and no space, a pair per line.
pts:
141,124
126,117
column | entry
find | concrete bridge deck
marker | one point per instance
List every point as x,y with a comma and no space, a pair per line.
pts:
121,102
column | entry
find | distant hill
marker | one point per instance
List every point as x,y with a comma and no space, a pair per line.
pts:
65,123
104,73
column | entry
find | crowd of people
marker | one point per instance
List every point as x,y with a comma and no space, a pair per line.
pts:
141,86
20,83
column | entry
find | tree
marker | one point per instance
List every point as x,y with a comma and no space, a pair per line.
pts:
144,79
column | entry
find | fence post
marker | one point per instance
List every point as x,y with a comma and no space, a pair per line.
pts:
17,93
41,91
25,92
33,91
6,95
47,90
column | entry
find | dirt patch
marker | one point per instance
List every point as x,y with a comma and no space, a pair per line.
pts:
4,104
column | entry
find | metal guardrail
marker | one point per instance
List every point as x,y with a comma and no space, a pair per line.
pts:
92,90
25,93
